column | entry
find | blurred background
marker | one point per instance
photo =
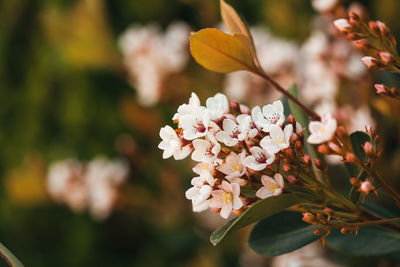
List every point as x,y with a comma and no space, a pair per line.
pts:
85,86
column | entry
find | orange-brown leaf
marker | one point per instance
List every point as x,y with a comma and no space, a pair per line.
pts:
220,52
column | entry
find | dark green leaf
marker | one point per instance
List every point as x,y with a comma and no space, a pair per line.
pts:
354,171
358,139
370,241
280,234
260,210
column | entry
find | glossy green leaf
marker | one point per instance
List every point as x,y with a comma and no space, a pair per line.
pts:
8,256
260,210
280,234
358,139
370,241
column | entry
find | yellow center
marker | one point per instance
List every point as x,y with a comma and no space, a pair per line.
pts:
205,167
235,166
323,129
227,197
279,140
272,188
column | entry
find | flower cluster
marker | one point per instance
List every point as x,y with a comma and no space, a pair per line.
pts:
236,148
93,185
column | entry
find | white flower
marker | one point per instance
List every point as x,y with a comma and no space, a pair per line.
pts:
271,114
277,139
172,144
322,131
206,150
230,134
272,187
199,197
226,199
204,178
195,125
217,106
259,159
246,127
203,166
233,166
324,5
194,102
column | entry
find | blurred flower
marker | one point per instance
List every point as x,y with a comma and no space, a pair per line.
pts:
324,5
322,131
93,186
150,56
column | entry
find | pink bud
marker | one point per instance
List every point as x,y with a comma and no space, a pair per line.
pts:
343,25
369,149
386,57
366,187
381,89
374,27
335,148
382,27
370,62
362,44
244,109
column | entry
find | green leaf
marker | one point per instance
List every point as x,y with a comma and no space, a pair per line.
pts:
295,109
357,173
280,234
358,139
260,210
370,241
9,257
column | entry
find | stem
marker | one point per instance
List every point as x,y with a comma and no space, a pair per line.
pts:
311,113
377,222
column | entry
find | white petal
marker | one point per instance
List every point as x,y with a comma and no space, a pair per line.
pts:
226,210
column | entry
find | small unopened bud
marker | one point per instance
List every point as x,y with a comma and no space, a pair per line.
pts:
353,17
393,91
324,149
244,109
341,132
319,231
354,36
298,145
292,179
350,157
319,164
308,218
381,89
329,211
286,167
368,149
234,105
370,62
307,159
346,230
382,27
335,148
362,44
343,25
374,27
386,57
353,181
366,186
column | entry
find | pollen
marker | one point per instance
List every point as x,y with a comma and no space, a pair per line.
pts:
272,188
227,197
279,140
235,166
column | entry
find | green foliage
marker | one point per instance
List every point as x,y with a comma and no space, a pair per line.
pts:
260,210
370,241
358,139
280,234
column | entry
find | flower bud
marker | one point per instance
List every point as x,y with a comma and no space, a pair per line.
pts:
291,119
329,211
324,149
298,145
368,149
370,62
354,36
374,27
343,25
350,157
353,17
307,159
381,89
341,132
319,231
382,27
346,230
286,167
319,164
386,57
353,181
362,44
335,148
244,109
234,105
309,218
366,186
393,91
292,179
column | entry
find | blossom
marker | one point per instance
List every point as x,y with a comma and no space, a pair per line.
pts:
172,144
233,166
271,114
278,139
204,178
195,125
203,166
343,25
226,199
322,131
272,187
246,127
217,106
370,62
206,150
259,159
230,134
199,197
324,5
190,108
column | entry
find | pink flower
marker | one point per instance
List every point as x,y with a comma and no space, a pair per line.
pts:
233,167
370,62
259,159
342,24
226,199
322,131
272,187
